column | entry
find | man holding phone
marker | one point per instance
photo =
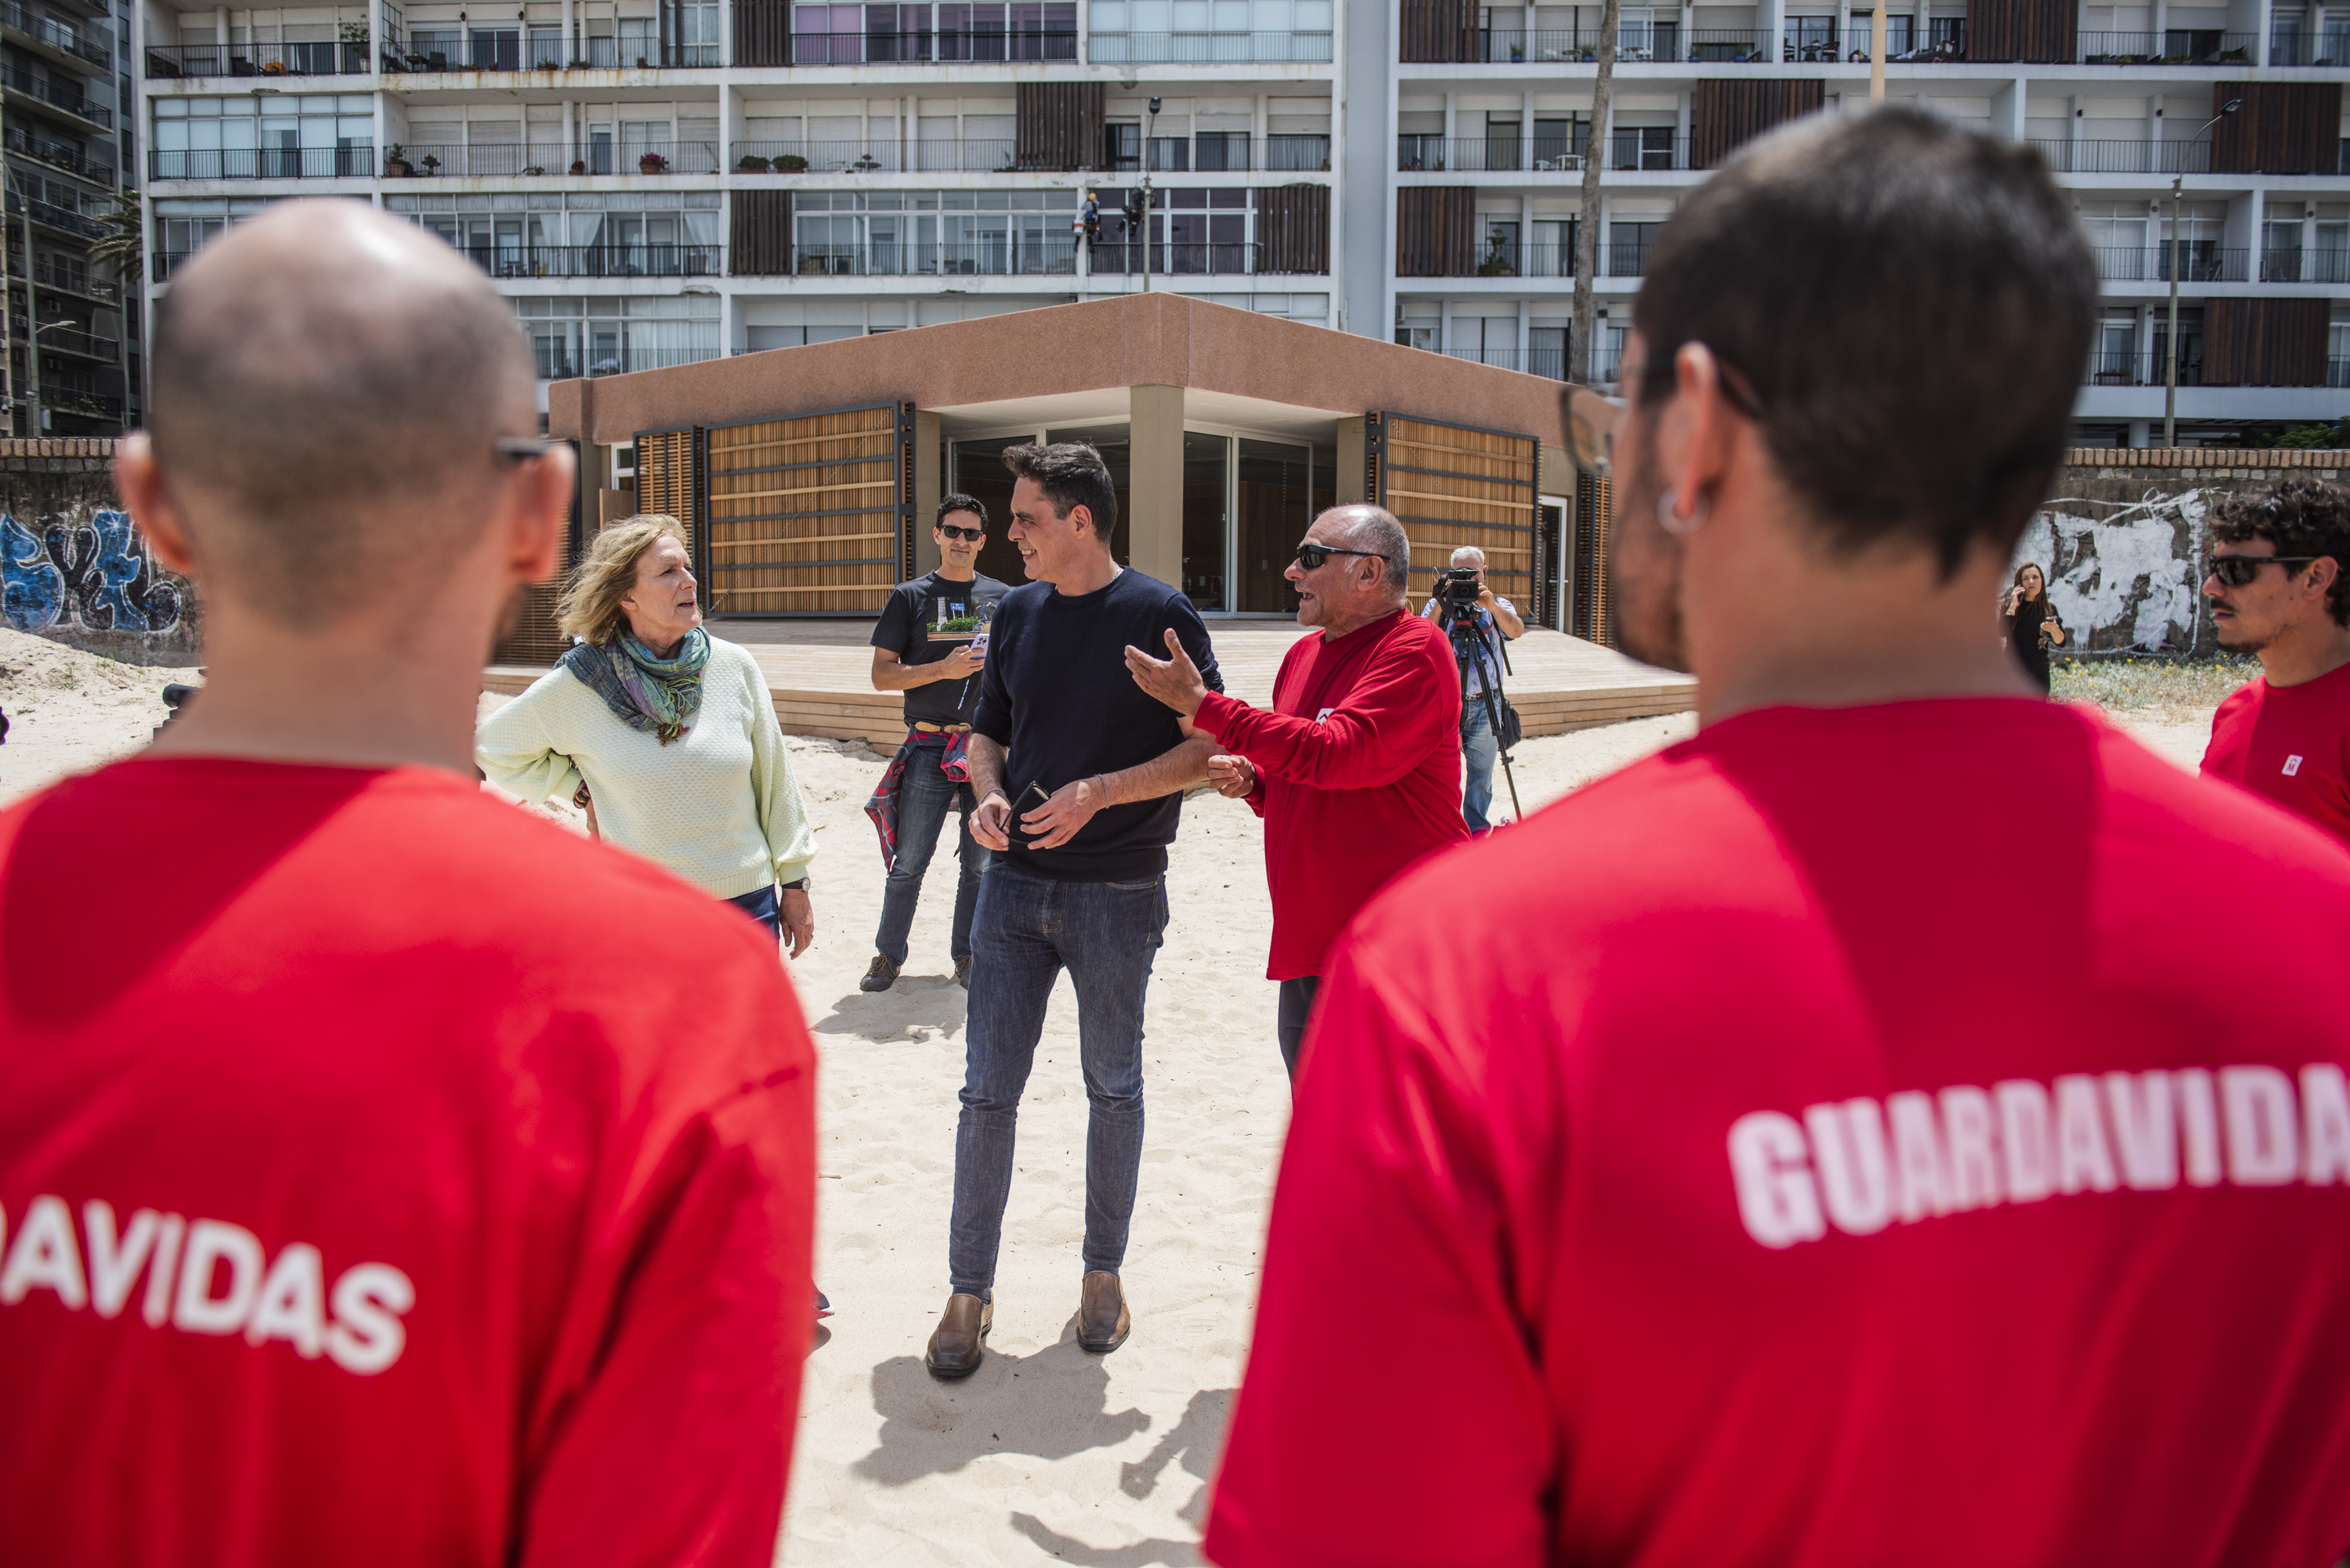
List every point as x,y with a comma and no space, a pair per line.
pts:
1079,774
929,643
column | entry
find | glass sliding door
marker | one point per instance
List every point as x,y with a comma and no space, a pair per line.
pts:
1275,506
1207,470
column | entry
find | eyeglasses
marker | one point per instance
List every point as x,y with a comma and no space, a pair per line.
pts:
1313,556
952,532
521,448
2236,571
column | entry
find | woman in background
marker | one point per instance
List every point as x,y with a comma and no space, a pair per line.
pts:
2028,622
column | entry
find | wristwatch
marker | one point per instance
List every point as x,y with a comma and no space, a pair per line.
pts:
799,886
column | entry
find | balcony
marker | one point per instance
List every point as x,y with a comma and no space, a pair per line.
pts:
1548,363
2292,46
624,261
92,46
1280,49
62,339
988,256
2305,266
353,163
942,48
68,278
562,360
65,100
166,61
509,51
442,161
2141,368
61,155
1181,258
2337,372
2126,156
2177,46
79,395
2198,262
1633,150
64,219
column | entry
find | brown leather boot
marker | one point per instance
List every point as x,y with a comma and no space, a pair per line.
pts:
955,1349
1103,1322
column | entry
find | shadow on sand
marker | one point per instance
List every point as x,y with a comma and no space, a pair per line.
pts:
1052,1405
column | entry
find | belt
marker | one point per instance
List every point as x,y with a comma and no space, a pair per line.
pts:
941,729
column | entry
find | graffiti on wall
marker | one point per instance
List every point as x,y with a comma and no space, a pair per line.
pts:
2122,572
94,574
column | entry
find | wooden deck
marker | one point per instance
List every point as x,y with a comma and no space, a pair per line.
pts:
819,671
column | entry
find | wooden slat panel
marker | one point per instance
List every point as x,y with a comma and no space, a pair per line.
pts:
2283,128
803,512
1593,614
760,236
1452,487
1438,31
2040,32
1058,125
1293,223
2265,342
665,481
1726,113
763,32
1436,231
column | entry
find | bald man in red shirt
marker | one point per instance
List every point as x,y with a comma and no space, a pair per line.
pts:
1823,1144
386,1175
1357,769
2278,590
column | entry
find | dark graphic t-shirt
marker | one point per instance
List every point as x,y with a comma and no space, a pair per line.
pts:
920,626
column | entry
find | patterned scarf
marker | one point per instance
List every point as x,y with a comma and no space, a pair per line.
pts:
655,695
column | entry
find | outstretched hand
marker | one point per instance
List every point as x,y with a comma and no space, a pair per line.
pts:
1174,680
1234,778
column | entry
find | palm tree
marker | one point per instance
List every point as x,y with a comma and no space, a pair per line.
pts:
124,236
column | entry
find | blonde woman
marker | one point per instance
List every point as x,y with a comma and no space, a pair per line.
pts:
667,730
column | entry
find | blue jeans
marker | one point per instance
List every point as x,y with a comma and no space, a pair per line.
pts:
924,795
1290,1018
1479,747
763,907
1030,928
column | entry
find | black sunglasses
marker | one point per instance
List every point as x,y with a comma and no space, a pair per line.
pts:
1313,556
521,448
952,532
2236,571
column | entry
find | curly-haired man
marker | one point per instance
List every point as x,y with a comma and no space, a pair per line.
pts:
2278,587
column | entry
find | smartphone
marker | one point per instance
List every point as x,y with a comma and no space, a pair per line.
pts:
978,645
1026,801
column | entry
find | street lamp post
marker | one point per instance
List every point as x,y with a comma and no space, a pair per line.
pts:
1148,135
2170,344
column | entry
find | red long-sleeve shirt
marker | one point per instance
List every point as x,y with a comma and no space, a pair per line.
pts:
1358,773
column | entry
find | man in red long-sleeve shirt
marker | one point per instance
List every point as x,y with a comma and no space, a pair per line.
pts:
1356,771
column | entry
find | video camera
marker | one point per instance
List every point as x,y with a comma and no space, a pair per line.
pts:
1457,591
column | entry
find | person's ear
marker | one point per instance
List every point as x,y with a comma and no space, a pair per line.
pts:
541,507
2323,572
1083,516
139,483
1692,432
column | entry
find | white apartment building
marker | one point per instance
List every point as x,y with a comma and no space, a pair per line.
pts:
655,181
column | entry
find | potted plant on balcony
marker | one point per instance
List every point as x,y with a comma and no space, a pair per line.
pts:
751,163
652,163
430,164
790,164
533,169
579,166
395,162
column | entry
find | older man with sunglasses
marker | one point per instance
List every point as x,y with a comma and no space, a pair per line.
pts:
1356,771
2278,590
929,643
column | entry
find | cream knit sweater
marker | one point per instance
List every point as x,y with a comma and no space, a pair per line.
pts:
719,806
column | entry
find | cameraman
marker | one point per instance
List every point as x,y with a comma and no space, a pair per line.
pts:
1497,622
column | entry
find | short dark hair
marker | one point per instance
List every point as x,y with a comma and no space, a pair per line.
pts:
1071,473
2300,517
1911,305
958,501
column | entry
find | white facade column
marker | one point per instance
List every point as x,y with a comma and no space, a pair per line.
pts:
1526,140
570,44
2073,125
2308,242
1260,122
1526,336
1445,327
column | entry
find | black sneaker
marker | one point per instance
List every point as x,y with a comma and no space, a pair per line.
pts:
962,972
881,976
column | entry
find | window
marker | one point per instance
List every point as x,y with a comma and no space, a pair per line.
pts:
934,233
857,35
1222,150
1193,231
2113,362
606,337
252,137
577,234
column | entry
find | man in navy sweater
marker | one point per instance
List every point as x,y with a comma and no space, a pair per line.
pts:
1080,776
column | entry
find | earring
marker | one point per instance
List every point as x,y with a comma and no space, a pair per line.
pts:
1674,522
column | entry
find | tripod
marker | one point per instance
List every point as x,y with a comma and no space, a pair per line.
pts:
1474,654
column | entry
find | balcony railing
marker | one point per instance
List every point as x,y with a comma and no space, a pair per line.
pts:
1270,48
971,155
264,163
2197,263
51,274
2305,266
1549,363
2103,157
2337,372
72,400
1179,258
933,47
675,260
2141,368
60,155
2330,48
94,45
562,361
2177,46
509,52
1483,155
1002,255
64,219
444,161
1224,152
17,79
1501,258
69,340
319,59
